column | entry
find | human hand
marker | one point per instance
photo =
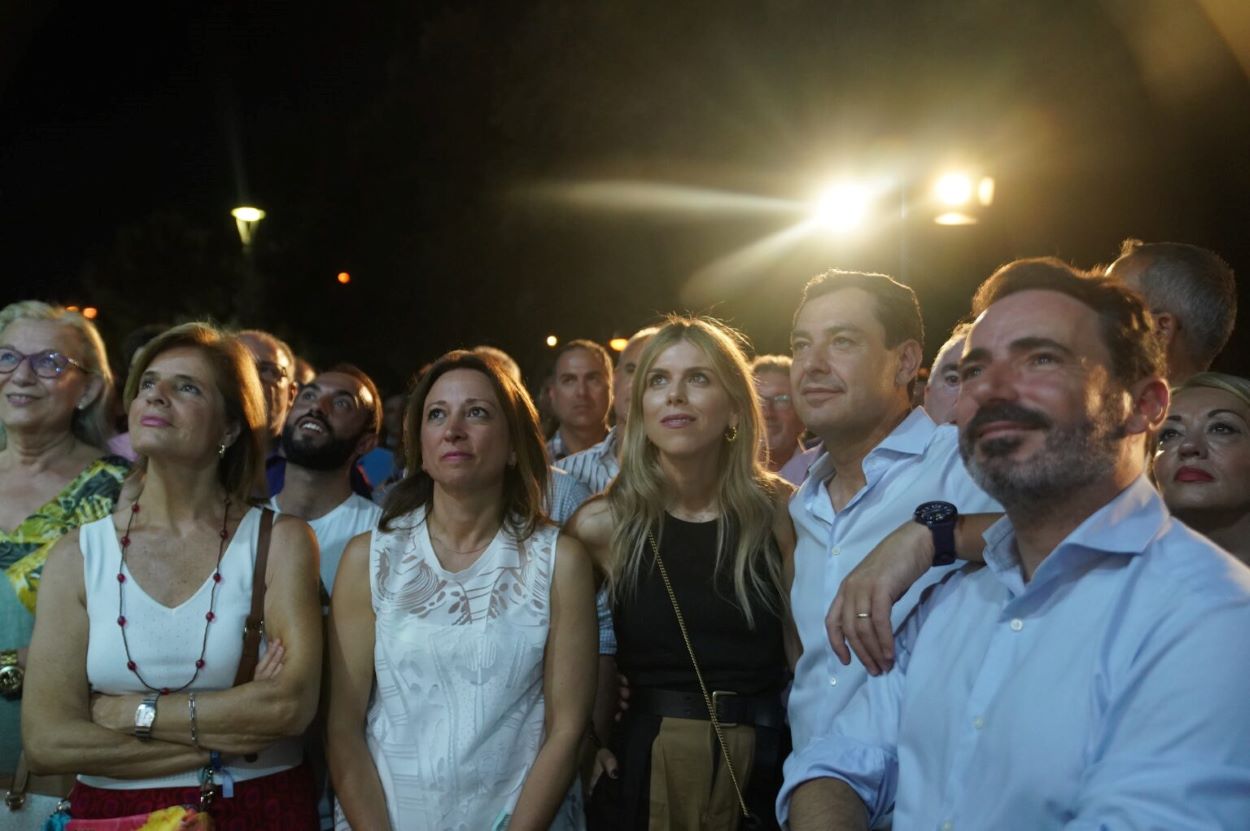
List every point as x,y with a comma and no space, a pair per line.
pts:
860,613
622,696
605,763
115,712
271,662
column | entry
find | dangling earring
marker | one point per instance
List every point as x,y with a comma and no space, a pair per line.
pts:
731,434
221,450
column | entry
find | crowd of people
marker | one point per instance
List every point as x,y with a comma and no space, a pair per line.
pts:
833,589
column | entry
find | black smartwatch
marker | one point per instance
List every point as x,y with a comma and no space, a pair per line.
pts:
940,519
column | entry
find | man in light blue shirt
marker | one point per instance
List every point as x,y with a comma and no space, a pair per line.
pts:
856,351
1093,674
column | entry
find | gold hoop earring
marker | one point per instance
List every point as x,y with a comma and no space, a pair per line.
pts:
731,434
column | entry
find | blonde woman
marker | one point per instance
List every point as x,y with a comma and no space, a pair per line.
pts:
694,497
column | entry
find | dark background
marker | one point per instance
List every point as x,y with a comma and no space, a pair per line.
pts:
428,149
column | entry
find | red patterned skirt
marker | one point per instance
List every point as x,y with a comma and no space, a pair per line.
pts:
285,801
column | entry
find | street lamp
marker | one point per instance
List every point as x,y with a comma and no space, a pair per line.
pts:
841,207
246,219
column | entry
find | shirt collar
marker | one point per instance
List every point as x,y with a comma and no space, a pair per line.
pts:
1126,525
911,437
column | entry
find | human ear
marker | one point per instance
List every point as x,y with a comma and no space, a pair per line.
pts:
1150,398
909,357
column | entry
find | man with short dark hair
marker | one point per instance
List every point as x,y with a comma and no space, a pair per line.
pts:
1192,294
581,396
334,420
599,464
1093,674
856,350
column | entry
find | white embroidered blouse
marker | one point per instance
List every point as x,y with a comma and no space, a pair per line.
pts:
456,718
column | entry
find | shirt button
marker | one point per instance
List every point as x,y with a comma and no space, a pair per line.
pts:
1016,624
978,722
833,680
835,550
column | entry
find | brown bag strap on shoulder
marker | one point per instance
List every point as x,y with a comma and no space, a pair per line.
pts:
254,628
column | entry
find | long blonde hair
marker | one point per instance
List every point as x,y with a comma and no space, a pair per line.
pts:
747,492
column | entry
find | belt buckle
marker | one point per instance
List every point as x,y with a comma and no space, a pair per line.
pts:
717,695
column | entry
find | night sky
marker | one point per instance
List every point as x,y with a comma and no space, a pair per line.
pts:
464,161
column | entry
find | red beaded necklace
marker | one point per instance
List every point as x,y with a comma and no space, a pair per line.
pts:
208,618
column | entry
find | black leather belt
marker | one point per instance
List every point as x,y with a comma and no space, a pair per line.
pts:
731,708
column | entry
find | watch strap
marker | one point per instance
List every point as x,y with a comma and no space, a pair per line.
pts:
145,717
943,543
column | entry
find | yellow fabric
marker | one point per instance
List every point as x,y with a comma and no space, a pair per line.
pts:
90,496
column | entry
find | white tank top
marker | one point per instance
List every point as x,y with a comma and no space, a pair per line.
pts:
456,718
165,642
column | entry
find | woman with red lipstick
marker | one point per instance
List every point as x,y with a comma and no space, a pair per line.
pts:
462,631
137,643
56,391
1202,465
696,542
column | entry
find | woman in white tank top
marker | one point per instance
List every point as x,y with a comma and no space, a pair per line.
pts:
137,637
462,632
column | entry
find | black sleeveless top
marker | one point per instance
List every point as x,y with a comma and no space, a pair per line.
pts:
732,656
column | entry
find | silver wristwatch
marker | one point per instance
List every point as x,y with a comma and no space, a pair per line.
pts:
145,717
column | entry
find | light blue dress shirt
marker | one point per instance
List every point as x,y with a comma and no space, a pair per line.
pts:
918,462
1109,692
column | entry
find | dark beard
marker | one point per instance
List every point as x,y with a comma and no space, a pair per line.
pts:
1071,457
333,455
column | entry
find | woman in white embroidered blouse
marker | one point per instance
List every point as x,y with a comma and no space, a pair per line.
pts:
471,622
137,640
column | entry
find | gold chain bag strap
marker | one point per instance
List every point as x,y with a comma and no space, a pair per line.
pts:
749,818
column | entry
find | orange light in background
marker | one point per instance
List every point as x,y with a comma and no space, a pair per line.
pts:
618,344
90,312
344,278
552,340
71,308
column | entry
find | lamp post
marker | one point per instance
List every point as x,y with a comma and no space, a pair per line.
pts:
247,219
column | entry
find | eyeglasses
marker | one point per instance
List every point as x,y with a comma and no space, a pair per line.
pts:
271,372
780,401
46,364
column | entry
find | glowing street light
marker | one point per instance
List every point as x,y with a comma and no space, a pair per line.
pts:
246,218
618,344
954,189
552,340
90,312
344,278
841,207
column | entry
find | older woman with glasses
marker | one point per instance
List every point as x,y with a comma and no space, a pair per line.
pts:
55,395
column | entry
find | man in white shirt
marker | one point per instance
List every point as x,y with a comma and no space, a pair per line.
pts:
332,422
856,351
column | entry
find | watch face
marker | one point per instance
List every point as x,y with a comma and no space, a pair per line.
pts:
10,679
145,715
935,513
